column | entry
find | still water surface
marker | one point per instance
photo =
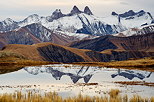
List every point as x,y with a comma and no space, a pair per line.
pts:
68,80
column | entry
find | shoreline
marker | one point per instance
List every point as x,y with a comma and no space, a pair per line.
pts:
146,64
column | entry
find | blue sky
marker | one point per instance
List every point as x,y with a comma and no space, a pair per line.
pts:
19,9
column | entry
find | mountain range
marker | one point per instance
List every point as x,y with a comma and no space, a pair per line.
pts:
87,37
83,22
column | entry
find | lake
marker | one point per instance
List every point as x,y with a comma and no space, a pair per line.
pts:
70,80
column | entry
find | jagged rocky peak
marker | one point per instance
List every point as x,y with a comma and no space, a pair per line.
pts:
127,14
57,14
75,10
87,11
132,13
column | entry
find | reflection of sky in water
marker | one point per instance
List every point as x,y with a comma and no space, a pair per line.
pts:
69,74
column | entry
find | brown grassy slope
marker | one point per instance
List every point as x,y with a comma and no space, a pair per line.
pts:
14,60
31,51
58,53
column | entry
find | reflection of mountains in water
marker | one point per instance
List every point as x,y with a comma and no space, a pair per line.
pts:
73,71
76,72
131,74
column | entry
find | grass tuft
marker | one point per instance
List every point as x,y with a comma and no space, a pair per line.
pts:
54,97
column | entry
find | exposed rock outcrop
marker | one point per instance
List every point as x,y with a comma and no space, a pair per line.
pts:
58,54
87,11
75,10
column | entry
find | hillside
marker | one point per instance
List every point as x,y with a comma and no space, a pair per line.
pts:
58,53
143,43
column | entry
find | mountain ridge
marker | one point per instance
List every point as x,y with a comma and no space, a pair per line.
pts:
133,43
58,53
84,22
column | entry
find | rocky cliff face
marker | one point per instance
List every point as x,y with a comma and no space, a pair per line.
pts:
58,54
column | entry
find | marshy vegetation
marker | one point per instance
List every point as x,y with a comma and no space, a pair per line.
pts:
136,83
113,96
142,64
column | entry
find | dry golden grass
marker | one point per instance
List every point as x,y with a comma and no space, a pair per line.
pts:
54,97
137,98
136,83
114,93
152,99
7,58
142,64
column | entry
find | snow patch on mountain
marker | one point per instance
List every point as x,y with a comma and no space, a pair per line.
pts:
8,21
32,19
76,35
132,20
68,23
137,31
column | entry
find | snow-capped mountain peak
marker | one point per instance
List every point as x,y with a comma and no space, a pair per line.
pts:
8,21
33,17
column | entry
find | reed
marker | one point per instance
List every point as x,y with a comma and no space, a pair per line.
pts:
30,96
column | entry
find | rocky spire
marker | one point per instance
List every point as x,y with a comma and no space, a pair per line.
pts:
75,10
57,14
87,11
